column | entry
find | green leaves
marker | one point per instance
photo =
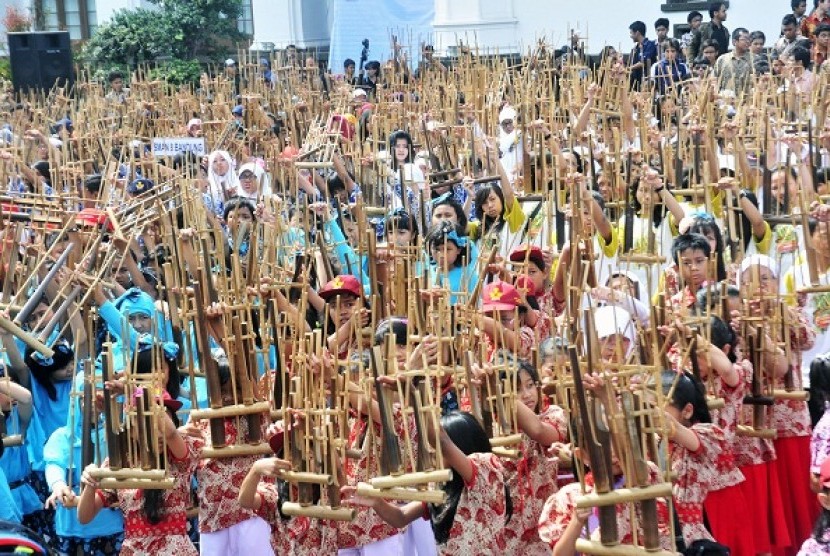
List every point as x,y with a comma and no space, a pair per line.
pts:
201,30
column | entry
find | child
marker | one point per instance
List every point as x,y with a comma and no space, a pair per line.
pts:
532,478
819,542
820,415
503,321
155,519
451,268
696,445
63,458
691,255
478,505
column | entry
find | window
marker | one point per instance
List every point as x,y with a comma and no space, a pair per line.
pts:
246,19
76,16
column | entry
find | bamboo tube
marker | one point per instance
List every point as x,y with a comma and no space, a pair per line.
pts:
584,546
115,484
797,395
412,479
305,477
127,473
28,339
235,451
769,434
319,512
231,411
404,494
624,495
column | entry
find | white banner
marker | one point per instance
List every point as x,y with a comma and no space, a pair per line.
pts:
171,146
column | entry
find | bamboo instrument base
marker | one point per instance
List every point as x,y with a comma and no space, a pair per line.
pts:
504,441
116,484
302,477
796,395
403,494
769,434
28,339
814,289
417,478
509,453
241,450
231,410
585,546
624,495
319,512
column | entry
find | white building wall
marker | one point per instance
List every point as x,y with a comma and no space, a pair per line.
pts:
304,23
107,8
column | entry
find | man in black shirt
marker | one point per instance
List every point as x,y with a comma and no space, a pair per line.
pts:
713,29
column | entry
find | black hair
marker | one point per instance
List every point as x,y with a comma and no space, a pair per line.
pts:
685,242
710,42
746,225
469,436
373,64
334,185
638,27
481,198
789,19
397,326
736,34
709,298
115,75
821,28
721,334
658,211
794,4
457,207
393,140
819,386
153,504
239,202
693,14
527,367
760,35
143,364
703,227
42,369
822,523
715,7
802,56
437,236
401,220
348,62
661,22
672,44
687,390
92,183
42,168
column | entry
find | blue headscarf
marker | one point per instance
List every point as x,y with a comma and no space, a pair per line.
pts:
135,301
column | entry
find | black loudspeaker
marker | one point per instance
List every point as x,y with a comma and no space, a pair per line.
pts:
41,59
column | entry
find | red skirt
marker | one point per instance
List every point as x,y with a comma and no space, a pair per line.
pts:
800,504
728,514
766,510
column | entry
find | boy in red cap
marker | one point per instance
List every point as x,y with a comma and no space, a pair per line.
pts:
503,318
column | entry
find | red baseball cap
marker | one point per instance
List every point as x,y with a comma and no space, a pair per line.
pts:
93,217
824,473
499,296
524,283
345,283
526,252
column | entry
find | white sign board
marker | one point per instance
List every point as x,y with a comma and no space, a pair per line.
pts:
171,146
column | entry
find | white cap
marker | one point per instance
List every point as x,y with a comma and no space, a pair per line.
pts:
760,260
359,93
507,113
609,320
230,62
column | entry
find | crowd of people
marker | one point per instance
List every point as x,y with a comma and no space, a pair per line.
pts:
595,288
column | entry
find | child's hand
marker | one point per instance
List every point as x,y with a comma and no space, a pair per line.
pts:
349,495
271,467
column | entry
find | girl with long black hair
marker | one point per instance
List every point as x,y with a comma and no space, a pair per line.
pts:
478,504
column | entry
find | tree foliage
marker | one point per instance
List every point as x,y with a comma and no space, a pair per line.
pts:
177,30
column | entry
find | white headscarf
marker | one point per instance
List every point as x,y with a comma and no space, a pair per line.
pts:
262,178
222,186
